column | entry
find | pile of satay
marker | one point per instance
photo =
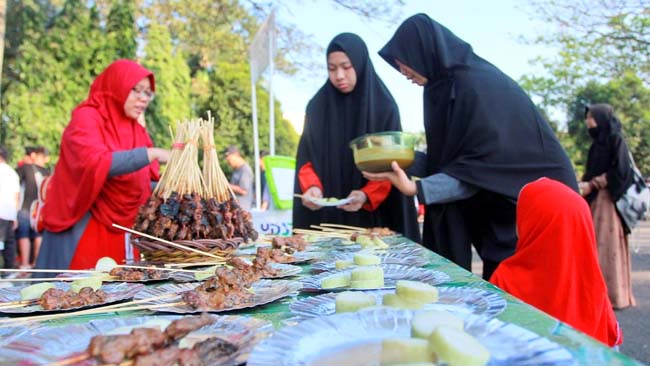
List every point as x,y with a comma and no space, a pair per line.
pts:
189,203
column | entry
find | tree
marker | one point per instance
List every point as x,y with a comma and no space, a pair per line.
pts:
603,57
213,31
229,100
597,40
198,50
631,102
121,29
172,102
49,84
24,21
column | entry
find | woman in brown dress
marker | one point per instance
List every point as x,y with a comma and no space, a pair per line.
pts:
608,174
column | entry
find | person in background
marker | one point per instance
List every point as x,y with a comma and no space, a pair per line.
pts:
106,164
27,158
31,176
42,157
555,266
9,204
485,141
607,176
241,180
267,202
353,102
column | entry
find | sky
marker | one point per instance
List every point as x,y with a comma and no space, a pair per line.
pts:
491,27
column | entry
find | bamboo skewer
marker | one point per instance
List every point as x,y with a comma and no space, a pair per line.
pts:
72,360
49,270
85,356
15,304
167,242
93,311
160,268
330,229
162,188
115,307
185,176
216,183
53,279
331,234
355,228
194,264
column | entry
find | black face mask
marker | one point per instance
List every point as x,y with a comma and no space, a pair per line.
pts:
593,132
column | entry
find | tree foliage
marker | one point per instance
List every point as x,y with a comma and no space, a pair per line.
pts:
603,57
48,84
630,100
121,30
597,40
198,50
173,82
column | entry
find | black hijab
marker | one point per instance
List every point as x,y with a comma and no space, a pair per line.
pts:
482,129
608,152
332,120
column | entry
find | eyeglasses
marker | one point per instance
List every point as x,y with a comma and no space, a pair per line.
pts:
145,94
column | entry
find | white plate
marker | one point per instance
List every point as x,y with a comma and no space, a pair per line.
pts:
115,292
265,291
463,300
324,203
51,344
283,270
392,274
343,339
407,256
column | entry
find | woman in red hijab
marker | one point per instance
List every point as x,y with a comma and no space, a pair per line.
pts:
104,173
555,266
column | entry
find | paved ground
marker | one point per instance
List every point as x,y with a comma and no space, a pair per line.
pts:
634,321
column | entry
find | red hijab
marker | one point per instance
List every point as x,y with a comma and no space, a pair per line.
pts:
99,126
555,266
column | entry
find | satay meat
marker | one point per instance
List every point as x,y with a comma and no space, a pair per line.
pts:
55,299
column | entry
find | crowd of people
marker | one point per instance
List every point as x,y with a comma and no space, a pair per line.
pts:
20,195
488,148
494,176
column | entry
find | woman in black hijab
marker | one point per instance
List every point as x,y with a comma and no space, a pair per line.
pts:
607,176
353,102
485,141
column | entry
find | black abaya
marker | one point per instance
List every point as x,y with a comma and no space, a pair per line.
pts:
332,120
481,129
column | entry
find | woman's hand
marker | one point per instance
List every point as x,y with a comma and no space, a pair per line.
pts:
357,199
315,193
599,182
156,153
584,188
397,177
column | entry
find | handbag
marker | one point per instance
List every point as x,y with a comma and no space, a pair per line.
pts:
634,203
35,215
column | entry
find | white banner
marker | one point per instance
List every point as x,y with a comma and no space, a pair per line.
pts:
263,47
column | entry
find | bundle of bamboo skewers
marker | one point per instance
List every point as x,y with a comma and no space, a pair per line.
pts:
191,205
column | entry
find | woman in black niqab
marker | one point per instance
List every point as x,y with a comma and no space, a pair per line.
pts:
608,174
333,119
608,153
484,132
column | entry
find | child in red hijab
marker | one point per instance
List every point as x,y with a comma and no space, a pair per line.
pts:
106,164
555,265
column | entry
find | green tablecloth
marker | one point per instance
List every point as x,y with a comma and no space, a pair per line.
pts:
585,349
